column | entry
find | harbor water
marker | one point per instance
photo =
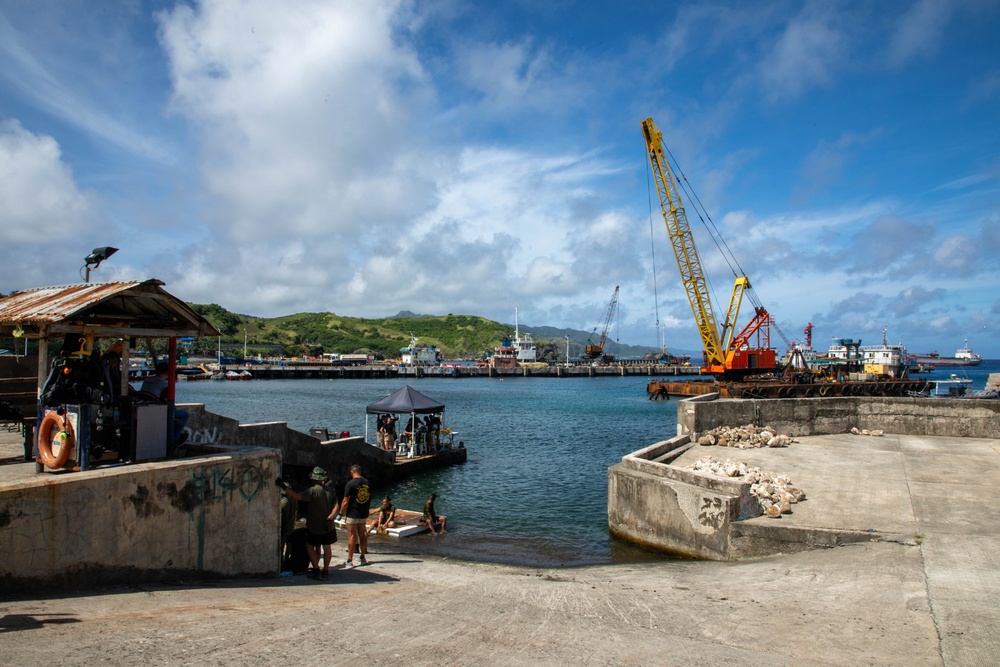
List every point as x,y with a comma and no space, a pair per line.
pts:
534,489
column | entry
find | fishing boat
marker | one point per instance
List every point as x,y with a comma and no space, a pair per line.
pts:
416,355
885,360
513,351
953,387
964,356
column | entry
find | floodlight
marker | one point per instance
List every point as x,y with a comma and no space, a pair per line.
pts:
94,259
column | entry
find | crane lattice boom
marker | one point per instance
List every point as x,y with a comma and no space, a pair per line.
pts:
593,351
725,352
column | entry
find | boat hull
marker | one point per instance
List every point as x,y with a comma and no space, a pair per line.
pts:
939,362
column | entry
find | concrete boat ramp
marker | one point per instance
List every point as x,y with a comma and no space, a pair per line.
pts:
923,592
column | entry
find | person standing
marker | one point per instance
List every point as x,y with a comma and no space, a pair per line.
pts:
289,510
321,532
390,432
354,510
380,437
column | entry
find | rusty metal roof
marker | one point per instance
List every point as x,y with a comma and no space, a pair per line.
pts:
139,308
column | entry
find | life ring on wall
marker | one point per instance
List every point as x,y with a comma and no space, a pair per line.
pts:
63,438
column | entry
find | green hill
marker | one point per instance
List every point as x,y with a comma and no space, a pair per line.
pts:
312,334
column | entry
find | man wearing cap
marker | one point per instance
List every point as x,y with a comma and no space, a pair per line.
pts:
320,512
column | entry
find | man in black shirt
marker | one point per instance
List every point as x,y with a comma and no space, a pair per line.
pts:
354,510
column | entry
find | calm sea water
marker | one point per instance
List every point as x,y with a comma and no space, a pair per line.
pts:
534,489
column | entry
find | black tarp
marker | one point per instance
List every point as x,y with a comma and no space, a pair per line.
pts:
407,400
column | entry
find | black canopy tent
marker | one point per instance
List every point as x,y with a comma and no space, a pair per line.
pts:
403,401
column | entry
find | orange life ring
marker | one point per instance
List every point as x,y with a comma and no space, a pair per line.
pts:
63,438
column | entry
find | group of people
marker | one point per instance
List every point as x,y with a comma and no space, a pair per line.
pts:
322,511
417,429
386,517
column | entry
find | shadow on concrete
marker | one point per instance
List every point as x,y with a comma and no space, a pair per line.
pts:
15,622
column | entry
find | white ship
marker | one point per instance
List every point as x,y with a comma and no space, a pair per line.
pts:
415,355
964,356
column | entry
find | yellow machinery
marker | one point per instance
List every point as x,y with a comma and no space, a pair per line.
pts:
726,354
593,350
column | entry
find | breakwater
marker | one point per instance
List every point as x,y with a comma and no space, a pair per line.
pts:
376,371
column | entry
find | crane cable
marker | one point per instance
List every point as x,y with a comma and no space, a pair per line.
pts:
652,251
715,234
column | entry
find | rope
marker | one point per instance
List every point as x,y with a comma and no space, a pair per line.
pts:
652,251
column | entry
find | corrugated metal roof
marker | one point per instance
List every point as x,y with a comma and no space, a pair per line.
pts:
54,304
132,305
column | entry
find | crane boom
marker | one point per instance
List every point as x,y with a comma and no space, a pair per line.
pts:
679,232
594,351
726,352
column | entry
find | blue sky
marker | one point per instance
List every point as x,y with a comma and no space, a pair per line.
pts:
459,157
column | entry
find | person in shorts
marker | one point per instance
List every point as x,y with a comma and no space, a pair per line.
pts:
320,512
430,519
386,517
354,510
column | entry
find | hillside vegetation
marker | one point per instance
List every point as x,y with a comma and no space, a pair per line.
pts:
312,334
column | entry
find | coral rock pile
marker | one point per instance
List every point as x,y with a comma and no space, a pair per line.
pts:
745,437
774,492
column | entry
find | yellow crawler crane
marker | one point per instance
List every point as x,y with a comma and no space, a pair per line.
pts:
727,355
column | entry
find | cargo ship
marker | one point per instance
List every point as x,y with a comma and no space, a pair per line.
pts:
964,356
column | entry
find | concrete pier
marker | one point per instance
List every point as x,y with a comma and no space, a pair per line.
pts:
925,597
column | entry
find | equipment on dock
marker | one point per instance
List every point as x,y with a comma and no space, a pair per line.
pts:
727,354
595,350
87,413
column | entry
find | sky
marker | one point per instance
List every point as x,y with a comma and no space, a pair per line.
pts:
447,156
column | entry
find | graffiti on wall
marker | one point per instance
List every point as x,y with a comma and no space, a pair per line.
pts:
224,483
203,436
712,512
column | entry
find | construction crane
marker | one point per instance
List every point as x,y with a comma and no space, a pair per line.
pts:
727,354
593,350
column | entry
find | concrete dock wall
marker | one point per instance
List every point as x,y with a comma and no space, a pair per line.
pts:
213,515
819,416
662,507
300,452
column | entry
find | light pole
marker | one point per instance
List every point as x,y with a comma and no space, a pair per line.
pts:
567,349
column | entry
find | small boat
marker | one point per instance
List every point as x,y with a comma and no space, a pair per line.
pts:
953,387
407,523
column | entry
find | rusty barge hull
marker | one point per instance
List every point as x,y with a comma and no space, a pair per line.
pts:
658,389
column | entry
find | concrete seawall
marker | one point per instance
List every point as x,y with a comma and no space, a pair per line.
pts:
966,418
859,487
212,515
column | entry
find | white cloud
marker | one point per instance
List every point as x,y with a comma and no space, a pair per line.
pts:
919,31
806,55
